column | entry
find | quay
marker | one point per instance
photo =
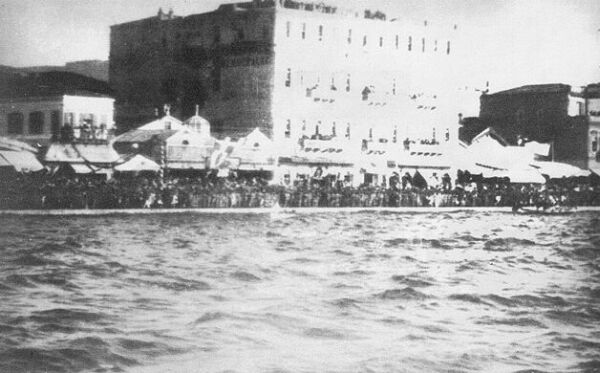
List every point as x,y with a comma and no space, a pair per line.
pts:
261,210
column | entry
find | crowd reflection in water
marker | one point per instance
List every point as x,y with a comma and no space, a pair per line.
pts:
43,191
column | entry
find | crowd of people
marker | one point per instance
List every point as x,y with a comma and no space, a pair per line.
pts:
45,191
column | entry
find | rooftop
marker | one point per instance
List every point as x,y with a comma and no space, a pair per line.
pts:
51,83
536,88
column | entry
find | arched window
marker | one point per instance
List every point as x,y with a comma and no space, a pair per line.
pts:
348,83
304,31
395,135
288,27
409,43
423,45
370,133
15,123
397,42
347,130
448,47
320,32
380,41
364,40
349,36
333,130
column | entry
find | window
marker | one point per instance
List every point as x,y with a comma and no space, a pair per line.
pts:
594,140
185,142
370,133
349,36
364,40
448,47
317,128
348,83
303,126
347,130
435,45
287,29
395,135
69,119
320,32
580,108
288,78
15,123
304,31
409,43
288,129
333,87
423,45
36,122
397,41
447,134
394,87
333,133
380,42
55,123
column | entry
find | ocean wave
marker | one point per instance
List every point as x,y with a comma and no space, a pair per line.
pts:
65,316
407,293
245,276
412,281
469,298
324,333
517,321
210,316
16,360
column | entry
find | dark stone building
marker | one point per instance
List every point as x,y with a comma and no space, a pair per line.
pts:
547,113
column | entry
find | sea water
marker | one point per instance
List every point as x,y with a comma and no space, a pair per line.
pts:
325,292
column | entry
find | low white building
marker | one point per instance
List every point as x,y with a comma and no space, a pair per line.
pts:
39,119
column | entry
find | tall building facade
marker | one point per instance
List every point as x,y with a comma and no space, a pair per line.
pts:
292,69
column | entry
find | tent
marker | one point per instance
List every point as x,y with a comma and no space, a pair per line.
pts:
253,152
138,163
21,161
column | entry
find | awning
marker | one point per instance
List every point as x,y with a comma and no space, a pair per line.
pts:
557,170
81,168
519,176
22,161
138,163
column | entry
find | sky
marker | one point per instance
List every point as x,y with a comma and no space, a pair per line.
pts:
506,42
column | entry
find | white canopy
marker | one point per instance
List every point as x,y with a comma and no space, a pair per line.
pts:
138,163
22,161
557,170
